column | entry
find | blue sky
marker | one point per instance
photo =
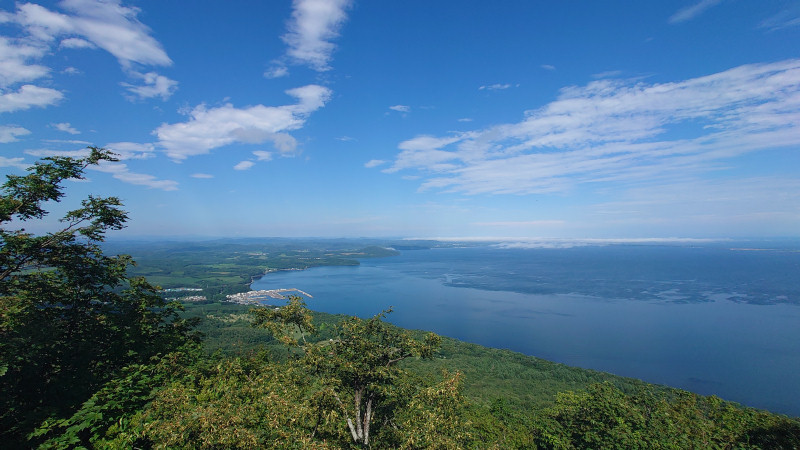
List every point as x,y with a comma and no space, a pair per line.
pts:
616,119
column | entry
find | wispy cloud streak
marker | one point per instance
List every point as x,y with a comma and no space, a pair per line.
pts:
787,18
690,12
618,130
121,172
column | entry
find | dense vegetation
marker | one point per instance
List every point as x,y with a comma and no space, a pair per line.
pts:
93,356
71,319
510,400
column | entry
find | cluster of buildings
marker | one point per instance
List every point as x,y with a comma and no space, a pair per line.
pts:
190,298
257,297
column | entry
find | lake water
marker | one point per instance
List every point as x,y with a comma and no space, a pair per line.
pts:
713,319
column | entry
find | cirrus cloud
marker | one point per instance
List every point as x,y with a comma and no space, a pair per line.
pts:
618,130
121,172
118,170
690,12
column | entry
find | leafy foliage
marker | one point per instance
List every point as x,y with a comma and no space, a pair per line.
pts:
70,317
605,417
107,412
306,400
235,403
358,370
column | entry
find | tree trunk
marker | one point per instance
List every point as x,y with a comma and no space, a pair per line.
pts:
367,419
360,429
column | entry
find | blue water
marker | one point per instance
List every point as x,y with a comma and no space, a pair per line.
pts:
712,319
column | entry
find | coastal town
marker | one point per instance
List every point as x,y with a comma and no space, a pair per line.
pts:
242,298
257,297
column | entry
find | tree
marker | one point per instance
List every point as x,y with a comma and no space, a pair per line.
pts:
70,317
359,374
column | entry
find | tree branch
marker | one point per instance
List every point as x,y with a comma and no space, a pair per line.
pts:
34,255
396,360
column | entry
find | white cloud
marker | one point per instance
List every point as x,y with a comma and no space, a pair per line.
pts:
262,155
155,85
202,175
495,87
244,165
10,133
29,96
277,71
131,150
13,162
44,152
123,150
67,141
207,128
690,12
618,130
313,25
121,172
400,108
427,143
15,64
424,151
465,119
41,23
105,24
75,43
65,127
548,67
71,71
312,97
374,163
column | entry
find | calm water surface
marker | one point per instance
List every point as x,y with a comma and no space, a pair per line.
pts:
711,320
